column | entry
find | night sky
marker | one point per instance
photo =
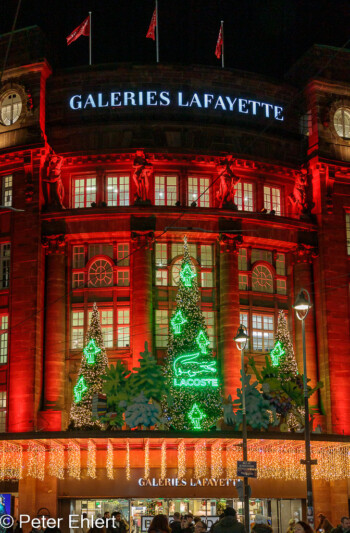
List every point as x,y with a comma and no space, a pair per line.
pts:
263,36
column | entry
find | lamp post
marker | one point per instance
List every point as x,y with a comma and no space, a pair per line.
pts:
302,306
241,341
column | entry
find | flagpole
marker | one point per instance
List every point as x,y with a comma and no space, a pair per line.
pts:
157,33
223,49
90,47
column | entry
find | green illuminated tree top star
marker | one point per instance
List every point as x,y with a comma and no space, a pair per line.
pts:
91,351
177,321
79,389
203,342
196,416
187,275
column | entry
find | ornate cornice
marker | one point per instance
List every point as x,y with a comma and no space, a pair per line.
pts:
229,243
54,244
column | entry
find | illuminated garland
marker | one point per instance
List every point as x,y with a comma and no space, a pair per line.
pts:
200,459
73,460
91,459
277,353
11,458
181,460
190,369
36,460
163,463
147,470
234,453
56,460
110,460
127,462
216,465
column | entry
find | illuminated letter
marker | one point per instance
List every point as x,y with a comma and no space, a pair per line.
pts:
141,482
140,98
180,101
115,100
220,102
151,98
72,102
241,103
100,102
254,104
267,110
231,103
190,382
208,99
128,95
89,101
164,98
279,113
195,99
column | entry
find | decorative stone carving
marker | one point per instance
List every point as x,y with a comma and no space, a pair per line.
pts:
52,182
143,239
143,170
228,180
305,253
300,197
54,244
229,243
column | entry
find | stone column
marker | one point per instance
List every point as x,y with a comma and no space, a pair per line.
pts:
142,301
303,279
55,332
229,314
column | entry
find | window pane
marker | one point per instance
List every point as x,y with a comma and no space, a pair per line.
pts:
262,280
77,332
207,279
263,332
242,259
161,256
206,256
123,278
161,328
3,348
84,192
281,286
209,322
2,421
159,190
192,190
123,255
123,334
78,257
123,316
243,282
261,255
162,277
100,273
5,265
118,190
281,265
171,190
7,191
78,280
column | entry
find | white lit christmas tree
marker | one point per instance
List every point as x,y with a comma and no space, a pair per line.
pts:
89,382
282,354
191,369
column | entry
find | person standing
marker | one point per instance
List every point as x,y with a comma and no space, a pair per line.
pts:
343,526
261,524
175,524
302,527
159,524
324,526
229,523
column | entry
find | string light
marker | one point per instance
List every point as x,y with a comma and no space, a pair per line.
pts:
127,461
200,459
56,460
73,462
234,453
110,460
163,464
91,459
216,460
11,456
181,460
36,460
146,474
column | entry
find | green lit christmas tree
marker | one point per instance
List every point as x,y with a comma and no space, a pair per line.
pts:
282,354
89,382
191,369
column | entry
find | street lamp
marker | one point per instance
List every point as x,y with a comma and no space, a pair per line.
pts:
241,341
302,306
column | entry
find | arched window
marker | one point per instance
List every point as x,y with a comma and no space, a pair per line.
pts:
175,272
262,279
100,273
11,107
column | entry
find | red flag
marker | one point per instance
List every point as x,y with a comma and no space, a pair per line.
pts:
83,29
218,48
151,34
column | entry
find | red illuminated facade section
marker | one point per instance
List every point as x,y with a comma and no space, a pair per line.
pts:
88,232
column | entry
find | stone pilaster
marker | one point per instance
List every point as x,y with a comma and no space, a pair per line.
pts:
142,301
55,332
303,279
229,313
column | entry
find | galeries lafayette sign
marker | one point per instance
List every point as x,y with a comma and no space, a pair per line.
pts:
192,482
176,99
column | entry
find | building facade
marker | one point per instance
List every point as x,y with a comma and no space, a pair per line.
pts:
103,172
